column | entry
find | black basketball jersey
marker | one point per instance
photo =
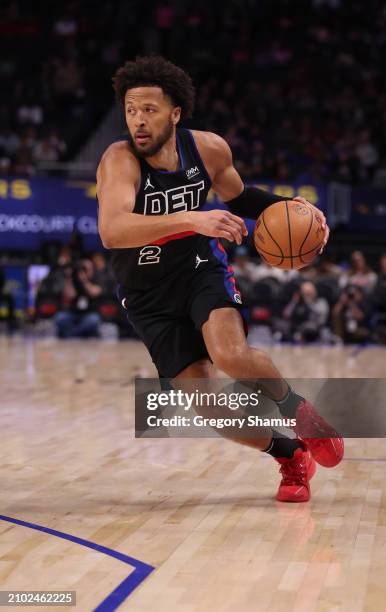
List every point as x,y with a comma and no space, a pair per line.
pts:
165,193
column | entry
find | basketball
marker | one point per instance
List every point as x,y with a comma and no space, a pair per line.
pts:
288,235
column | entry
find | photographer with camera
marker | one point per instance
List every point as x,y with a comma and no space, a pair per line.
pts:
351,315
78,317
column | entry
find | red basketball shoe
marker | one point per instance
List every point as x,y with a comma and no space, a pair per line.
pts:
296,475
324,443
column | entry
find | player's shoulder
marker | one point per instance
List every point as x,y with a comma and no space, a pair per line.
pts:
210,141
118,155
214,151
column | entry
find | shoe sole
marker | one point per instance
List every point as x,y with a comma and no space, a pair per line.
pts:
315,452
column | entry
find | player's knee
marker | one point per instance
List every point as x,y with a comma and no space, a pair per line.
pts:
261,359
242,362
229,362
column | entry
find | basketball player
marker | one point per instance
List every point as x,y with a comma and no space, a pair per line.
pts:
174,279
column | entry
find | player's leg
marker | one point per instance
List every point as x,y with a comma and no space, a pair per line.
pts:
231,353
297,466
203,369
225,339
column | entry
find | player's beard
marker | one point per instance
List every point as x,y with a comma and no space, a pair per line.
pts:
156,145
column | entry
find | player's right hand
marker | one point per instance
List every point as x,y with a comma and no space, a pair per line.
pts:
219,224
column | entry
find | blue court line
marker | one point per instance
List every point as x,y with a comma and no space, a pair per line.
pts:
123,590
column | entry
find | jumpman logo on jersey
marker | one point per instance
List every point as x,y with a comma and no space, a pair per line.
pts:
148,183
198,261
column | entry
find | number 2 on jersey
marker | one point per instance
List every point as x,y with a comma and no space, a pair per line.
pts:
149,255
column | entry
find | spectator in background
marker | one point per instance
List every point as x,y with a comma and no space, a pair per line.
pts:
264,270
56,290
245,271
243,266
359,274
65,255
367,155
324,268
50,149
56,142
23,163
79,317
30,112
103,275
29,138
7,305
306,314
379,301
9,142
68,79
351,315
379,295
5,165
45,152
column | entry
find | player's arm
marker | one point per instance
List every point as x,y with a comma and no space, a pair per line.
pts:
118,177
241,199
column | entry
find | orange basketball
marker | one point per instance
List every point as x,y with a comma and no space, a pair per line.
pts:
288,235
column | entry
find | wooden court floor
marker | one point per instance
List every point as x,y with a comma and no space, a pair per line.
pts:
201,512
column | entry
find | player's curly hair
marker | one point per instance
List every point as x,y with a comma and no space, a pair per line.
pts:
155,70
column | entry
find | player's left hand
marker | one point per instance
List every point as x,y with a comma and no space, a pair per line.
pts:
321,216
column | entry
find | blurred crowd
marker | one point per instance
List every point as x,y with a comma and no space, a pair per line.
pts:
325,302
56,64
297,88
78,294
